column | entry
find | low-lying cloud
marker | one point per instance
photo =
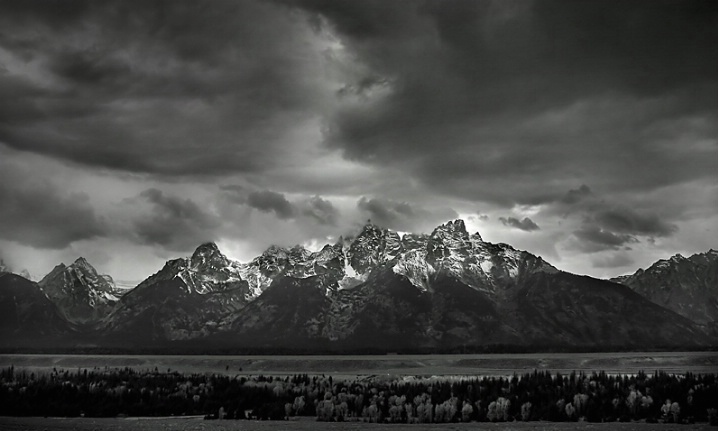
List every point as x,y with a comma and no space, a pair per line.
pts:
589,123
403,216
271,202
320,210
626,220
173,222
526,224
595,239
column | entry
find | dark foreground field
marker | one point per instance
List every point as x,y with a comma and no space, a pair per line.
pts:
192,424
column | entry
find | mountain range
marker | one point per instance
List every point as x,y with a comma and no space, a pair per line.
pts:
377,291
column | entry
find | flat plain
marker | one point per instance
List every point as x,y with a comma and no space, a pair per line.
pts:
197,424
395,365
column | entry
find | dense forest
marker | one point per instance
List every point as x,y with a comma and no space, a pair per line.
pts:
598,397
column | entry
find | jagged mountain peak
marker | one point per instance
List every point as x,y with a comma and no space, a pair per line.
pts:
688,286
298,253
456,230
207,247
274,250
444,288
81,261
79,272
208,254
453,227
205,250
54,273
299,249
370,226
81,294
83,265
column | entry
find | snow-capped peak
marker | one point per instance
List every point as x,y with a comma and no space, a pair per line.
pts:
370,227
677,257
207,248
352,260
452,228
84,265
81,261
80,292
208,254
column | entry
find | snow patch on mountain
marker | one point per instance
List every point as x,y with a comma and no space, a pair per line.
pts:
416,269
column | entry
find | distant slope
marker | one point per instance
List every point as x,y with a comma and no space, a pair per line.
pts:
564,308
27,317
186,299
688,286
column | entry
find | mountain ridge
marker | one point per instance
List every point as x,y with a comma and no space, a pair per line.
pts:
686,285
82,295
381,290
384,288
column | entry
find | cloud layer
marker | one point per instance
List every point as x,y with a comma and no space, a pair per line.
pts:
583,131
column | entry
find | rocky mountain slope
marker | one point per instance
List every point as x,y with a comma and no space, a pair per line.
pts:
82,295
186,299
686,285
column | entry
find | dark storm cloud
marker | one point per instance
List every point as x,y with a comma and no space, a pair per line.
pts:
234,193
43,216
601,213
576,195
526,224
269,201
89,68
176,88
173,222
402,215
594,239
629,221
490,107
315,208
320,210
502,94
505,95
384,210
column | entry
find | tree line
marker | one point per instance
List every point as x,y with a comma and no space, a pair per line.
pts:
596,397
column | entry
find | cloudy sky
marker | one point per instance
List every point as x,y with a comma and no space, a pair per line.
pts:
131,132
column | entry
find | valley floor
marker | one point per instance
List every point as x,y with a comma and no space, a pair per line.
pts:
395,365
196,424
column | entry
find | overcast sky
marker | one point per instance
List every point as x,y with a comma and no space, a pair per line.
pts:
130,132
